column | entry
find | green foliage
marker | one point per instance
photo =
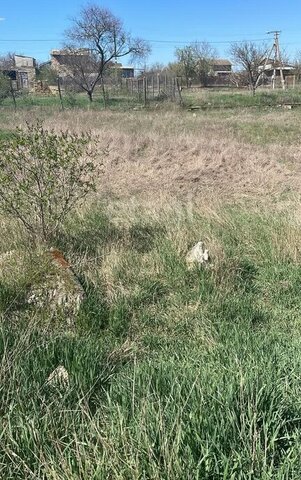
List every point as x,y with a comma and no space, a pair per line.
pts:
186,62
43,175
70,100
5,134
207,385
232,98
4,87
48,74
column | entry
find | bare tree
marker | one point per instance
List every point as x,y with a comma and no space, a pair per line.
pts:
196,61
81,67
239,79
250,57
95,40
7,62
205,55
155,68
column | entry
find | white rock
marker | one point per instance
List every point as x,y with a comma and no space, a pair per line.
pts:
198,255
59,377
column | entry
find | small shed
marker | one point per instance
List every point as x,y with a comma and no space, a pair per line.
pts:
22,72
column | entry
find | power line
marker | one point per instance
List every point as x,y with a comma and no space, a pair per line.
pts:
30,40
175,42
157,43
172,42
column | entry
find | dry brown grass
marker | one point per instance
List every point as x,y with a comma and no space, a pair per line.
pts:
188,155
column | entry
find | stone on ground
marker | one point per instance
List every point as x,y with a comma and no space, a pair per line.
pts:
197,256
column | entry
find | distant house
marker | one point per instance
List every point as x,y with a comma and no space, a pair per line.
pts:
22,72
125,72
128,72
60,60
221,67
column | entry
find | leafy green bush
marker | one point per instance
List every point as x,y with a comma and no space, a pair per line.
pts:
48,74
4,87
43,175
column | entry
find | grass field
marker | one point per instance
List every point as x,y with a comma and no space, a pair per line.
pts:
118,99
174,373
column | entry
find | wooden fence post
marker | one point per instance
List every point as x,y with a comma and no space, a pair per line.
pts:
145,90
60,92
179,91
13,94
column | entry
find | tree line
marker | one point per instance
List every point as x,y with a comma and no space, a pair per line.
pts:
96,40
194,63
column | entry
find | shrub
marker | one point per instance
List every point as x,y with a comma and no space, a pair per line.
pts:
43,175
4,87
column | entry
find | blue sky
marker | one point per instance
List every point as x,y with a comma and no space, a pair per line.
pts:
34,27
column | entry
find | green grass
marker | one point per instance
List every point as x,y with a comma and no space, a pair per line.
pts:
209,99
118,100
263,132
5,134
174,374
115,101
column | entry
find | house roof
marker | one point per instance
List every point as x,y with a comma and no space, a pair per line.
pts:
68,52
221,61
271,63
24,61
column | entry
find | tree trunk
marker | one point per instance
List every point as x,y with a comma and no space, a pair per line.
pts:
90,96
103,93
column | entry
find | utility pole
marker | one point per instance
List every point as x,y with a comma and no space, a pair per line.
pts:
277,58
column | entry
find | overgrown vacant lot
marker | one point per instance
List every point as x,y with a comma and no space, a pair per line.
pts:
253,151
173,373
